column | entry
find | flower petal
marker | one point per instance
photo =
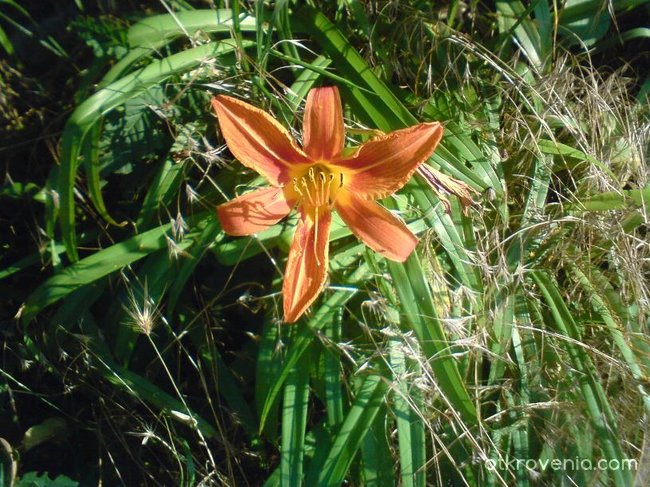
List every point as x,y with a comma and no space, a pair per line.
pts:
384,164
323,129
444,185
376,227
256,139
253,212
306,271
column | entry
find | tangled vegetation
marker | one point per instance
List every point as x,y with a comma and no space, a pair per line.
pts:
144,346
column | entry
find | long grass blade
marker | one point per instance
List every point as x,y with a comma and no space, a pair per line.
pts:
88,113
92,268
294,422
410,427
592,392
332,470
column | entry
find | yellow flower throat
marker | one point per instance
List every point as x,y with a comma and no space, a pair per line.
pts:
317,188
315,192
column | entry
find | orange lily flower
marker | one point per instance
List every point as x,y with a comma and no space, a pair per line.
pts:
317,179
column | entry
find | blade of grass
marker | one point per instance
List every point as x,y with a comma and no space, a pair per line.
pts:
613,200
294,421
88,113
460,150
269,362
592,391
376,455
410,428
513,19
540,179
161,191
416,304
27,262
518,437
350,62
5,42
90,157
332,373
448,236
332,470
306,81
599,291
544,21
92,268
502,335
570,154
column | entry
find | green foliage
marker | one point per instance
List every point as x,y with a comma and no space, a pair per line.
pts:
516,332
32,479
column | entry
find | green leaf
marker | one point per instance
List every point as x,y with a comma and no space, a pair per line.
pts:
584,21
5,42
332,372
603,300
613,200
88,113
514,18
155,31
92,268
161,191
598,408
376,454
294,422
90,157
34,479
410,427
332,469
48,429
418,309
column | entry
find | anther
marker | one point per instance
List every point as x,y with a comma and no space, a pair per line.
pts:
315,187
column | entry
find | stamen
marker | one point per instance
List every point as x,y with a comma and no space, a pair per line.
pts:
315,188
328,188
324,196
296,187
